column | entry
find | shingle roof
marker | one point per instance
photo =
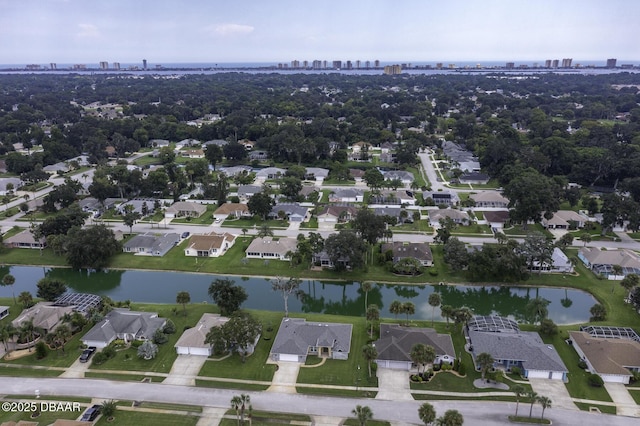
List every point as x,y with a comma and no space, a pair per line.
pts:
194,337
608,356
121,321
395,342
295,335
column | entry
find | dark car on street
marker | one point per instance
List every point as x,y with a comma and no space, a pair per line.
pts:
86,354
91,413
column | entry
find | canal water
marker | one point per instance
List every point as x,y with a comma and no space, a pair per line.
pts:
567,306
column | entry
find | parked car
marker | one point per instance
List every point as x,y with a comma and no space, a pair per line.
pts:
91,413
185,235
86,354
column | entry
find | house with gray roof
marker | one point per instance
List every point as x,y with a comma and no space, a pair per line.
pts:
457,216
247,191
123,324
395,343
25,239
297,339
474,178
16,183
510,347
346,195
185,209
489,199
138,206
293,212
235,170
447,198
405,177
316,173
270,173
393,198
151,244
402,250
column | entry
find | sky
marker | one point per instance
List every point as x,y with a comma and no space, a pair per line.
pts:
279,31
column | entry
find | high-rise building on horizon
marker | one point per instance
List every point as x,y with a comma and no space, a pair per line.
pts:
547,63
376,64
144,64
104,65
566,62
611,63
392,69
510,65
554,63
116,65
53,66
337,65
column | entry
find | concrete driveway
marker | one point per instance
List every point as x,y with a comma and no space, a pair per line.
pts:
625,404
285,378
77,369
393,385
554,390
185,369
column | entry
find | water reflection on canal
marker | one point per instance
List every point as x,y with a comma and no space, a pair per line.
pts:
340,298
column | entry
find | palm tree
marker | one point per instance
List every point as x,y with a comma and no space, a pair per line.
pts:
62,335
396,308
451,418
26,299
533,396
373,315
183,297
545,403
427,413
236,403
10,280
366,287
28,330
616,269
629,282
422,354
447,312
245,401
244,232
434,300
109,409
363,414
369,353
408,308
485,362
7,331
518,390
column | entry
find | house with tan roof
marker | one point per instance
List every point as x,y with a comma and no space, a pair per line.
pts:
271,248
402,250
192,341
395,344
459,217
331,215
25,239
193,153
565,219
614,360
43,315
492,199
209,245
237,210
185,209
601,262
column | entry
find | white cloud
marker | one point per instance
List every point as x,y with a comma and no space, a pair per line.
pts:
88,31
229,29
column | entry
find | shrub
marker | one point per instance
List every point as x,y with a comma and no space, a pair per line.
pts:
516,371
159,337
99,358
136,343
595,381
41,350
436,367
582,364
462,370
109,352
456,364
433,271
374,367
169,327
446,367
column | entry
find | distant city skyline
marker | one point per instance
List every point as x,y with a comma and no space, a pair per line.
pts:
282,31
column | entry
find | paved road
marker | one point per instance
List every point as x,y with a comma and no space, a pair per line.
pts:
475,412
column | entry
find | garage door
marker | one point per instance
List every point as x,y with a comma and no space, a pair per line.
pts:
288,357
537,374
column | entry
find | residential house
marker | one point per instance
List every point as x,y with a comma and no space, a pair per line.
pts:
361,146
44,315
209,245
139,206
248,145
297,339
57,168
394,212
386,147
151,244
13,183
560,263
192,340
405,177
565,219
292,212
402,250
356,174
236,210
235,170
474,178
395,344
185,209
457,216
123,324
270,173
496,218
159,143
217,142
393,198
510,347
441,198
307,190
247,191
271,248
346,195
4,312
316,173
187,142
25,239
258,155
192,153
613,359
331,215
601,262
492,199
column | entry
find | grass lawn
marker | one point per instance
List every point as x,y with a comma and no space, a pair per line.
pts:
255,366
605,409
9,212
342,372
355,422
122,417
519,231
121,377
635,394
255,222
230,385
26,372
416,226
312,224
147,160
472,230
265,418
418,177
336,182
11,232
